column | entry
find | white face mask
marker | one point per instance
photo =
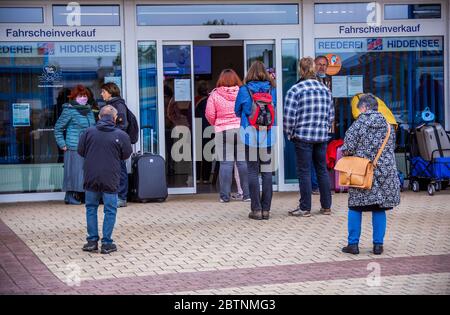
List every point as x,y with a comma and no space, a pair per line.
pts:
82,100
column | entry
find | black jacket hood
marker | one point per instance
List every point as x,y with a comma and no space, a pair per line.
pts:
115,101
106,123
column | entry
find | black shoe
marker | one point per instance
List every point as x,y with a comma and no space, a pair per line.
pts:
71,200
351,249
377,249
90,246
108,248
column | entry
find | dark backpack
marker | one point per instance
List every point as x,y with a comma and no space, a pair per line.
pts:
263,111
133,127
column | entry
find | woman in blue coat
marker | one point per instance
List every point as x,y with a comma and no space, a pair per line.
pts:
258,143
75,118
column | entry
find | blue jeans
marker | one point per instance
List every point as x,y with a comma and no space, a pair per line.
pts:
314,182
378,225
123,185
311,155
110,211
259,160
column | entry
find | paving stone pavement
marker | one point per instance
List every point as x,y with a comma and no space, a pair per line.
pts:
193,243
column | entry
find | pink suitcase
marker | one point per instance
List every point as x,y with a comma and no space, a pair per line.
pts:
337,187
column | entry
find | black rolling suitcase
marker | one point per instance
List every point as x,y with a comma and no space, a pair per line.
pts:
148,177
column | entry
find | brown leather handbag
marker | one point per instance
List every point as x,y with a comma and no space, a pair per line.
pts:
357,172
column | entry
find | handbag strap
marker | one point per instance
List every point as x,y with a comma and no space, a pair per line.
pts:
375,161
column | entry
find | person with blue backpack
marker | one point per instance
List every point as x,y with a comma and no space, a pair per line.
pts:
255,105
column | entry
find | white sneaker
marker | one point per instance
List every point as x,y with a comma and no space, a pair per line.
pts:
237,196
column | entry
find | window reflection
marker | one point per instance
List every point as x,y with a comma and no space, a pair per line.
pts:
148,95
21,15
224,14
290,56
341,12
412,11
40,77
406,79
90,15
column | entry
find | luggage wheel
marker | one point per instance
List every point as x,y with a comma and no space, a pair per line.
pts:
431,189
415,186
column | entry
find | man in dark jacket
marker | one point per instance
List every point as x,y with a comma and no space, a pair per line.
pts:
104,147
111,95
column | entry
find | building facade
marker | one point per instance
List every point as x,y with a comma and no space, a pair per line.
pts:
161,53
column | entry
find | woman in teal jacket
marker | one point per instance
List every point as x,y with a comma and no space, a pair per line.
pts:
258,144
75,118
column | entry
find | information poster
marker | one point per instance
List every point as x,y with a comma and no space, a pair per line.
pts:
339,86
21,114
355,85
182,90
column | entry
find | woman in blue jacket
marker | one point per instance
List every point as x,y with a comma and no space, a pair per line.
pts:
75,118
258,143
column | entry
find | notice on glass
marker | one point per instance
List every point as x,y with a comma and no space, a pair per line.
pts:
182,90
355,84
21,114
339,86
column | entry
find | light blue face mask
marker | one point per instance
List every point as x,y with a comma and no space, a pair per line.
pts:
321,75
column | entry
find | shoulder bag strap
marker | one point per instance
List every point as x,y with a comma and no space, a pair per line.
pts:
375,161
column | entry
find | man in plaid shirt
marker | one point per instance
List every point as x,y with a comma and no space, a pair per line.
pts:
308,118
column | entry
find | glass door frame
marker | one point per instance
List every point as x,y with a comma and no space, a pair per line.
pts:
161,113
280,185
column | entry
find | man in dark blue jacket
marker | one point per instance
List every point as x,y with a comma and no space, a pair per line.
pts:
103,147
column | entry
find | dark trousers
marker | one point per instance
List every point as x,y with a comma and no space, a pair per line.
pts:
309,155
230,150
204,167
204,170
123,185
314,183
259,160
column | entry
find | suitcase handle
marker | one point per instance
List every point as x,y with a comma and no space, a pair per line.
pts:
434,151
142,139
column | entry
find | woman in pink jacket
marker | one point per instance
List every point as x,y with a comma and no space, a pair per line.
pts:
229,148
